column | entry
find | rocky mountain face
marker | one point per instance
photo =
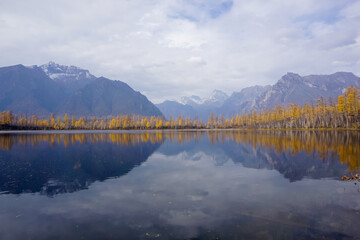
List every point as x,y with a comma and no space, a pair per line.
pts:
243,101
216,99
53,88
61,73
71,78
291,88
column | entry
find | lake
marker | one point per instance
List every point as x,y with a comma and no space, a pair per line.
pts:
179,185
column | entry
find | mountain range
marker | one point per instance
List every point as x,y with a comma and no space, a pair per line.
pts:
59,89
193,106
291,88
54,88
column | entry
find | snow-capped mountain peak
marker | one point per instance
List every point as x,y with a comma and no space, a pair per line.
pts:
64,73
191,100
217,96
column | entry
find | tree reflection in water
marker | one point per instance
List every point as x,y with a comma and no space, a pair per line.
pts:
344,144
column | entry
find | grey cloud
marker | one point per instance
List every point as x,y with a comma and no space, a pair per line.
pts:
143,44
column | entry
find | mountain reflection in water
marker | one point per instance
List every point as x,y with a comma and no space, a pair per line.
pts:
179,184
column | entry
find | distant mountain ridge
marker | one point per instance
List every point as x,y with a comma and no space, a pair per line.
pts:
193,106
174,109
216,97
59,89
290,88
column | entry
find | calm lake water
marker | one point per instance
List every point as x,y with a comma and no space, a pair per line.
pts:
179,185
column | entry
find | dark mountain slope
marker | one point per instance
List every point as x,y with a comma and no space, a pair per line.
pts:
59,89
104,97
28,90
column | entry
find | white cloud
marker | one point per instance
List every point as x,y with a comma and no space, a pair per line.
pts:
196,60
157,47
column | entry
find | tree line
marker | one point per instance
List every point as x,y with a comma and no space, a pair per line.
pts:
343,112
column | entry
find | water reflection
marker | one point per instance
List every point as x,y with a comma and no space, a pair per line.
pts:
179,185
341,145
60,163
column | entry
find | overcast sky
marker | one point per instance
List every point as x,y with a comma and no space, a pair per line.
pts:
167,49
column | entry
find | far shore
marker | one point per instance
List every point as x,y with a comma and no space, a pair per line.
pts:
4,131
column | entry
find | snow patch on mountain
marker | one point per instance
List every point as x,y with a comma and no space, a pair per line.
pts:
59,72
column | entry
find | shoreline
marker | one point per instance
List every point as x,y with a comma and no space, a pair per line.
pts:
170,130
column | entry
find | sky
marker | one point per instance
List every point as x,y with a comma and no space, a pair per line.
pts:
171,48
